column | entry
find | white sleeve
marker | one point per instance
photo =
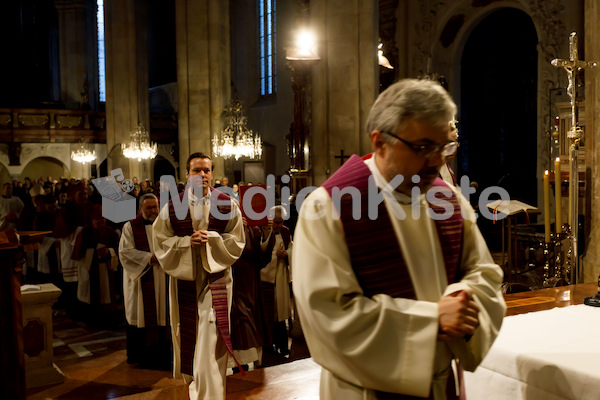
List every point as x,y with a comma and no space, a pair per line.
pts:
134,261
223,249
174,253
484,278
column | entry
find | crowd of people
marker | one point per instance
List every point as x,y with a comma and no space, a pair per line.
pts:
113,274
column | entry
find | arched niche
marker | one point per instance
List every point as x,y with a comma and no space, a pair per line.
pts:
4,175
44,167
552,21
499,105
162,167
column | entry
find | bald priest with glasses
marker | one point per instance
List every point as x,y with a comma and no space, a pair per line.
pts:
398,291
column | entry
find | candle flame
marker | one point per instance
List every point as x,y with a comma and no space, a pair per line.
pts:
546,172
557,159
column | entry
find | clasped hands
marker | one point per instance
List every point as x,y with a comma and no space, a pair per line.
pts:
199,238
458,316
281,252
102,253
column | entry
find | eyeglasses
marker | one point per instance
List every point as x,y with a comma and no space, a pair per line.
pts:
428,150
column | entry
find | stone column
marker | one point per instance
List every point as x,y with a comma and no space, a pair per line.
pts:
203,75
591,261
78,53
345,81
126,58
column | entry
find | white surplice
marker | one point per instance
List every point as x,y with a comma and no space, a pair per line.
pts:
181,261
134,263
278,272
104,275
10,205
384,343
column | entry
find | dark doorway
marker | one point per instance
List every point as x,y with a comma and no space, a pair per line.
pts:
498,121
163,167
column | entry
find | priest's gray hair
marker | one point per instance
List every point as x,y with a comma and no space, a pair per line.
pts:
278,209
422,100
147,196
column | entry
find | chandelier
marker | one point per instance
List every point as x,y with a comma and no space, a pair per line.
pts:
139,145
83,154
236,140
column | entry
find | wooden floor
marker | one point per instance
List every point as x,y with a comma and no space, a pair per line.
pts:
95,368
94,363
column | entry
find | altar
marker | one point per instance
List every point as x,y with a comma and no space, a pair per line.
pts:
549,354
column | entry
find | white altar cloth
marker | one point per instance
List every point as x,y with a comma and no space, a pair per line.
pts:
544,355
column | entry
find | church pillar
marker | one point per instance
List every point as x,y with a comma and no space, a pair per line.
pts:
126,58
203,75
78,53
591,261
345,81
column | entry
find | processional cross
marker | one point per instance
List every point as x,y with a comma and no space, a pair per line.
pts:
573,65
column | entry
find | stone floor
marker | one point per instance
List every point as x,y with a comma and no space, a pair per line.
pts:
93,360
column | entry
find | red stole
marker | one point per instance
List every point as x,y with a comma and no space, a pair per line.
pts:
186,290
140,239
378,264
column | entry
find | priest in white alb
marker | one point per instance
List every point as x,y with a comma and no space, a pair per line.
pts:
144,290
196,248
396,290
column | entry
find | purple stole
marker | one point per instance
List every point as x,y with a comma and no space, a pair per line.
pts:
285,236
375,254
186,290
140,239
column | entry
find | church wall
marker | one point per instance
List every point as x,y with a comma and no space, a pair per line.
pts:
56,152
29,71
436,39
44,167
591,260
270,117
203,74
344,81
77,27
4,175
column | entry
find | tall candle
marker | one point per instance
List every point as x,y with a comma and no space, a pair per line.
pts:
557,196
570,189
547,206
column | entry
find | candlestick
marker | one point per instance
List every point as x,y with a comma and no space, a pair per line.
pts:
557,196
547,206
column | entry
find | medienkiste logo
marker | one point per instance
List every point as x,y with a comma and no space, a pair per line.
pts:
119,206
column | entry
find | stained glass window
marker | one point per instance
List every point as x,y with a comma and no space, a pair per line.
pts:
101,65
267,47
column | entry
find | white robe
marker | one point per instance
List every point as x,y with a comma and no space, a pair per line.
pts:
181,261
46,245
68,266
278,272
384,343
83,275
134,263
10,205
446,175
